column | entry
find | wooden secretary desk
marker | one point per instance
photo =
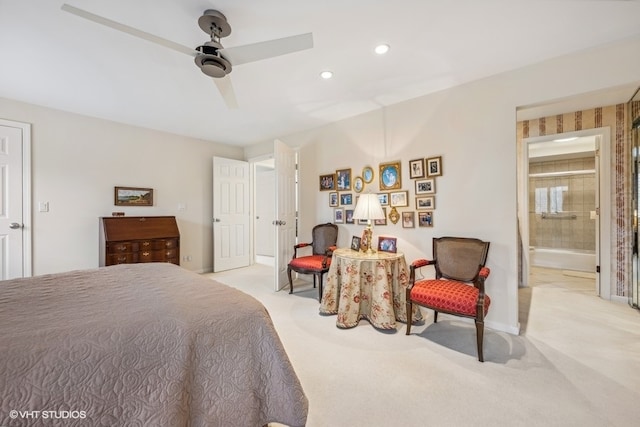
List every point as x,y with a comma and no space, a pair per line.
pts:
133,239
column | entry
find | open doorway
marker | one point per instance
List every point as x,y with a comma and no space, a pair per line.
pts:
563,177
265,209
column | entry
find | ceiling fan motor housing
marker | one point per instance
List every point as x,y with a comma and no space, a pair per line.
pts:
211,62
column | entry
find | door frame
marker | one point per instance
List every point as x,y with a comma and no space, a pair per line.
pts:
603,240
253,164
27,228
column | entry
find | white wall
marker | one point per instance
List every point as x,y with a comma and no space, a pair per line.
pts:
473,128
77,161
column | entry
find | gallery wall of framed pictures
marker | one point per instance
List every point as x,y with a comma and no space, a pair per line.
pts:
410,203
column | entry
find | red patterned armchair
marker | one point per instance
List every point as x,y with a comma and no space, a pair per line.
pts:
458,288
324,238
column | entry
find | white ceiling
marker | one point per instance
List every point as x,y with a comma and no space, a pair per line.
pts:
52,58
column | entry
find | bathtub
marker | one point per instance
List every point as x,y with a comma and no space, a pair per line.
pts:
565,259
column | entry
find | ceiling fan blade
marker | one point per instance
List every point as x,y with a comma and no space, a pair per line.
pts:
268,49
129,30
226,90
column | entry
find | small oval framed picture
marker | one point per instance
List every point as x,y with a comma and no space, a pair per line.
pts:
367,174
358,184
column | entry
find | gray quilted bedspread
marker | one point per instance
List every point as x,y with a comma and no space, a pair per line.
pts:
140,345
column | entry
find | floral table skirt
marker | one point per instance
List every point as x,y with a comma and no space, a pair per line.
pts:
372,287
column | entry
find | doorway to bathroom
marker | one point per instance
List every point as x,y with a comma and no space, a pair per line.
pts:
564,179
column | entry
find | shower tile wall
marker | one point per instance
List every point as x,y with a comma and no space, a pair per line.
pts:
577,199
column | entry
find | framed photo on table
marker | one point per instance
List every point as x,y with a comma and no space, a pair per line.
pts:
387,244
355,243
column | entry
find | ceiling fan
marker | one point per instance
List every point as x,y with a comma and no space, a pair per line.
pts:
212,58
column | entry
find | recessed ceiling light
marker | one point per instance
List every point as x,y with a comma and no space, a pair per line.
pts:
382,49
326,74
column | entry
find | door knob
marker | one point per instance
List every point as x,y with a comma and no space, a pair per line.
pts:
216,219
15,225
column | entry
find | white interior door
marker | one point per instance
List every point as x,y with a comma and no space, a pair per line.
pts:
231,214
15,198
285,222
599,269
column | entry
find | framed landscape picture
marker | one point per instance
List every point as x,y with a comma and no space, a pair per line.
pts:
133,196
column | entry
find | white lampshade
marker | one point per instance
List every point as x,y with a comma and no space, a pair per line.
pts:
368,207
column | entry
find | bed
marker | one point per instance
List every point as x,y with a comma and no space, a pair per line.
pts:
141,344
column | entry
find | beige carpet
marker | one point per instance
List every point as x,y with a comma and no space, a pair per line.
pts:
576,362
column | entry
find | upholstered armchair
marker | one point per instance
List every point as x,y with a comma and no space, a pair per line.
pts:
458,287
324,238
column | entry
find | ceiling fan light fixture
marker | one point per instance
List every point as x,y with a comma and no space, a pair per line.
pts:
381,49
213,66
326,74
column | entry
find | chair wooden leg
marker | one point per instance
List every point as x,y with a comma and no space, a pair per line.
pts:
479,338
409,316
319,287
435,317
290,281
314,280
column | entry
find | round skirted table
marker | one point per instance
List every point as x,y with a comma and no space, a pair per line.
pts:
367,286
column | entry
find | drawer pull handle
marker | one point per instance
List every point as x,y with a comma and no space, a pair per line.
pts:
145,253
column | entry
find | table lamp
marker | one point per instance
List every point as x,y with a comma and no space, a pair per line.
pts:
369,208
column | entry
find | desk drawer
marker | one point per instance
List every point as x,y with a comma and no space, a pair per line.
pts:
122,247
129,258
